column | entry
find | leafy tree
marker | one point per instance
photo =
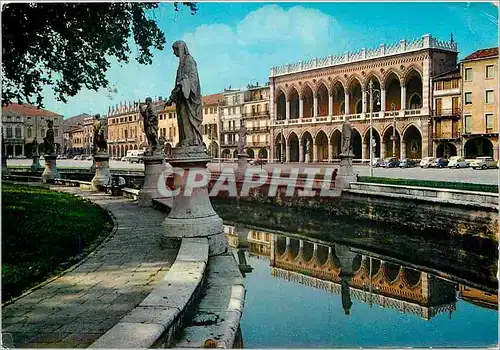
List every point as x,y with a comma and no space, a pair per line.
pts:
67,45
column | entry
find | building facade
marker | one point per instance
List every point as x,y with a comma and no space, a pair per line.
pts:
124,129
310,101
479,73
76,137
210,124
257,119
446,114
230,121
22,123
167,124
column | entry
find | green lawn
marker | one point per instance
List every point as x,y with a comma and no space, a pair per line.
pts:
44,232
464,186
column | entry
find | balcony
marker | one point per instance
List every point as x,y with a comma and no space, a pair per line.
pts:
257,143
254,115
225,130
228,143
257,129
446,135
447,112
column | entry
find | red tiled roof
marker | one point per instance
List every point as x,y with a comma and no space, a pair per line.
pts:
210,100
451,74
29,110
482,54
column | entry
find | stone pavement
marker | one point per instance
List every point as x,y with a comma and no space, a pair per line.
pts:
81,305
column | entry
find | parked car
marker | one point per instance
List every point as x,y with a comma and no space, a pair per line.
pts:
377,162
88,158
407,163
390,162
439,163
258,162
483,163
457,162
124,159
426,162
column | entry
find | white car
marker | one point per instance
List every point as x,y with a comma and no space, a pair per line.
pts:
426,162
483,163
457,162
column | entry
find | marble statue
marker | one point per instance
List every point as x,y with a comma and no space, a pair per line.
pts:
346,138
242,138
100,144
187,98
48,140
150,122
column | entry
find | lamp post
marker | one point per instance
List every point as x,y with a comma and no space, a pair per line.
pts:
372,144
393,130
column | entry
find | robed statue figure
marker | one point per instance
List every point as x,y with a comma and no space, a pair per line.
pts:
187,98
242,138
346,138
48,140
150,123
100,144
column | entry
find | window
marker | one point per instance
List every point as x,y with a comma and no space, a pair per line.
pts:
489,122
468,124
468,98
489,96
56,132
18,133
206,110
42,132
468,74
454,84
29,132
490,71
9,132
447,84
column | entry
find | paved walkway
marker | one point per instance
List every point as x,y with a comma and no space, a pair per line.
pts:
77,308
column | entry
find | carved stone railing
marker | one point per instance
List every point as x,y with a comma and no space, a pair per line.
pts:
425,42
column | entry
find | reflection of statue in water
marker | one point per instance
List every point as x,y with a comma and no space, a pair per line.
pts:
34,147
242,138
187,98
346,138
346,296
150,122
100,144
48,140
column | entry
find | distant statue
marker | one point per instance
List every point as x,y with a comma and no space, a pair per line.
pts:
187,98
346,296
161,143
48,140
308,146
34,147
242,138
167,150
150,122
100,144
346,138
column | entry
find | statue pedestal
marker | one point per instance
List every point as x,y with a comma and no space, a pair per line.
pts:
192,215
153,169
102,173
5,170
346,172
50,173
242,166
36,162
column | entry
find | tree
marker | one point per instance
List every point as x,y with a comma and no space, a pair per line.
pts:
68,45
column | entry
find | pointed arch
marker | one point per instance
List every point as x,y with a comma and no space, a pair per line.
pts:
279,90
408,72
288,135
306,84
325,83
336,80
352,79
407,126
370,76
367,130
290,90
387,75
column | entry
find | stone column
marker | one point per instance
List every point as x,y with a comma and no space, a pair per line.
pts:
346,103
301,109
192,214
382,100
364,147
153,169
315,151
50,173
330,151
363,98
287,152
403,97
301,152
382,149
402,147
102,173
315,106
330,105
287,110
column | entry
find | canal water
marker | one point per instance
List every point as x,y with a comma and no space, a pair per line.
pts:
307,287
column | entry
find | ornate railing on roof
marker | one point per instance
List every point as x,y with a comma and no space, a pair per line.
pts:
425,42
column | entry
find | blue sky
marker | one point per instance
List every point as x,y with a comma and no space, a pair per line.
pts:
237,43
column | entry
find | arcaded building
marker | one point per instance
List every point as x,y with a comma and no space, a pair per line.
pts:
311,99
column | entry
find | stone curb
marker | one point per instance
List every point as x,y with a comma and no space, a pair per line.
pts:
73,267
159,317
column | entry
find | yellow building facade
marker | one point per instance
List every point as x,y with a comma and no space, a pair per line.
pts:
167,125
210,124
257,121
479,72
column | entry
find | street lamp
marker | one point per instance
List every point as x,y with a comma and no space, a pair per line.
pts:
371,91
393,107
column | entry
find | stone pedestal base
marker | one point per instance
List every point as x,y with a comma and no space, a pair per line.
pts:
102,173
36,163
50,173
346,172
192,214
153,169
242,166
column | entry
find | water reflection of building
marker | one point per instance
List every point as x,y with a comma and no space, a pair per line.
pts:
478,297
